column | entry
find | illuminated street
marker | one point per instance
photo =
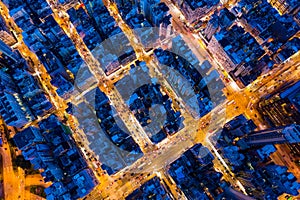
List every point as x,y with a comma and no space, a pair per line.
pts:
157,159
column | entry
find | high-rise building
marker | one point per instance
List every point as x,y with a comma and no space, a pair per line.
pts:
7,38
247,153
288,134
122,2
91,5
146,7
268,182
282,108
5,34
285,6
239,53
196,10
6,83
219,20
7,51
51,148
12,108
287,51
